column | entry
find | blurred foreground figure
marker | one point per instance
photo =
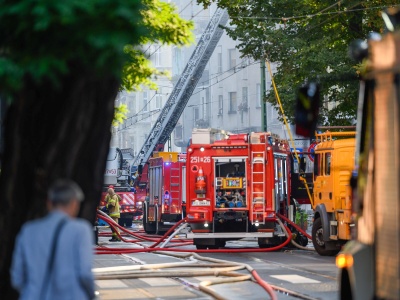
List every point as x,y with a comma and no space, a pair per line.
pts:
53,256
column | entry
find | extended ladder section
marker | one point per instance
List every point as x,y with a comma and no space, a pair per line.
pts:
183,90
258,185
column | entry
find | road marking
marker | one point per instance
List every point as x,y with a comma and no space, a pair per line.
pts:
156,281
113,283
295,278
127,294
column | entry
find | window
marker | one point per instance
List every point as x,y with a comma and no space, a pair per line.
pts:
203,108
157,56
158,101
317,165
177,66
220,105
178,132
134,103
130,102
327,163
219,62
232,102
196,115
258,95
145,100
245,63
232,58
132,142
245,97
130,108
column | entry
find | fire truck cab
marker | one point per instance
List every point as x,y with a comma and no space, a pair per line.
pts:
164,205
236,184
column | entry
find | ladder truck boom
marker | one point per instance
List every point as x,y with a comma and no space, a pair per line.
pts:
183,90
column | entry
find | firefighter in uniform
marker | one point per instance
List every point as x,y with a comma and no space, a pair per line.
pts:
112,200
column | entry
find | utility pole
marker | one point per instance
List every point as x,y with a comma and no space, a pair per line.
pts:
263,102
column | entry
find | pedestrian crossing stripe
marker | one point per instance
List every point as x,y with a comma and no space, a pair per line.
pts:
295,278
112,283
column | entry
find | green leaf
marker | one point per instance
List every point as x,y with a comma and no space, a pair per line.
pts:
120,114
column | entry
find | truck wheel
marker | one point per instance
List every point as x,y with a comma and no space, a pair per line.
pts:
148,228
208,243
128,222
221,243
269,242
318,239
201,247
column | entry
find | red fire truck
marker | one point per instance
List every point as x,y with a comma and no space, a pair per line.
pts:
235,186
165,203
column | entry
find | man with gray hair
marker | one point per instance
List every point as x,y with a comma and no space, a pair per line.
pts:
53,256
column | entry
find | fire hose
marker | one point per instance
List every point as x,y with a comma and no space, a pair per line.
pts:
101,215
167,238
153,247
168,234
215,267
300,230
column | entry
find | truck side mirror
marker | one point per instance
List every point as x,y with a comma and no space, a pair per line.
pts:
307,108
140,169
302,164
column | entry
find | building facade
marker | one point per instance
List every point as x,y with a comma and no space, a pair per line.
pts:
228,96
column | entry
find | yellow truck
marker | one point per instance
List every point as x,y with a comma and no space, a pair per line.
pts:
331,201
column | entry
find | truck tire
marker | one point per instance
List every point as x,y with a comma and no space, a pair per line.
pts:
128,222
201,247
270,242
202,244
318,239
125,222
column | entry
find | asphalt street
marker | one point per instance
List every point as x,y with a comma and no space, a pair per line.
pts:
178,275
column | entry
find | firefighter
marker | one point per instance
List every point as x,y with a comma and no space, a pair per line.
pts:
112,200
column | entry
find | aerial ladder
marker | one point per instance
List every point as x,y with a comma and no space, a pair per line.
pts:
183,90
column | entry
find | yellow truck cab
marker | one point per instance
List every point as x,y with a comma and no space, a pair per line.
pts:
333,166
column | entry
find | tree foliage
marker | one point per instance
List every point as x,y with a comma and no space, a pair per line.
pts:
308,40
41,38
62,64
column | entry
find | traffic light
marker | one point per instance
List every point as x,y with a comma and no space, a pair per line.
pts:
307,108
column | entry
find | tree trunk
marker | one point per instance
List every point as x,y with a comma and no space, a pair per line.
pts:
53,132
